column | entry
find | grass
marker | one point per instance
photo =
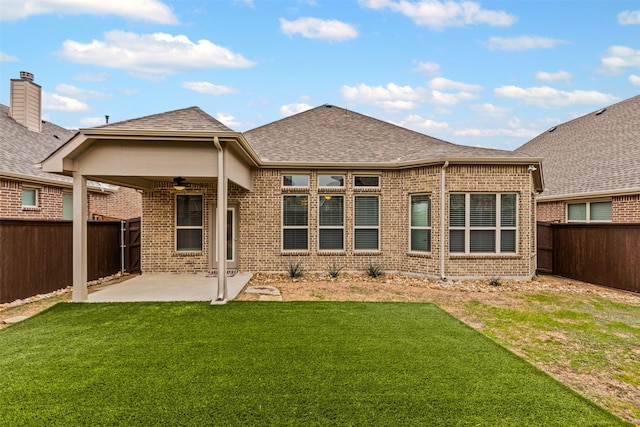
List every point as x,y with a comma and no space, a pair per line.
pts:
251,363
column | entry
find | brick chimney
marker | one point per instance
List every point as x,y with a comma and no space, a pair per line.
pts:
26,102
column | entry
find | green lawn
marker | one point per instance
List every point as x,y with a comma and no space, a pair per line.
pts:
256,363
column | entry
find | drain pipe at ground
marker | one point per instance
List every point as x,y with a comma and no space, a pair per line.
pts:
443,200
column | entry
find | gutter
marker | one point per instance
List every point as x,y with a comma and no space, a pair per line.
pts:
442,213
590,195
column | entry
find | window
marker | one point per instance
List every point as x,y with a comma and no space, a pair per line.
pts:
67,206
589,212
331,222
420,220
482,223
366,181
366,223
295,223
330,181
295,181
29,198
188,222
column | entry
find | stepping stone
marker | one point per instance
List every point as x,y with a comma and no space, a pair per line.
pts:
16,319
263,290
270,298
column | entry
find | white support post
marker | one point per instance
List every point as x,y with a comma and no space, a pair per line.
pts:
79,237
221,225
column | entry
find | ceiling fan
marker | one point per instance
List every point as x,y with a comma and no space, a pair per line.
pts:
179,183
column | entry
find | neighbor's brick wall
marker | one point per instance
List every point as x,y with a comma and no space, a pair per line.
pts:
259,229
626,209
125,203
551,211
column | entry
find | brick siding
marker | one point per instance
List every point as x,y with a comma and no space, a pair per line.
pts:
259,231
624,209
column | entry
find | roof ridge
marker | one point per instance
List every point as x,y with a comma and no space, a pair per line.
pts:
193,107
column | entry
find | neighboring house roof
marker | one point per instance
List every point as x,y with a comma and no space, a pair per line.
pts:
186,119
336,135
22,149
595,154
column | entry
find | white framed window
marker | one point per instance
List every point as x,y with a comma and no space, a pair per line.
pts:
366,223
589,212
332,181
67,206
189,222
330,222
366,181
420,223
295,222
483,223
29,198
301,181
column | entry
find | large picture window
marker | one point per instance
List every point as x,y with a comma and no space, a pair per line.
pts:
366,223
188,222
482,223
331,222
420,213
295,223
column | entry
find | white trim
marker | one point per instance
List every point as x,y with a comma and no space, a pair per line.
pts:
421,227
176,227
36,197
332,227
587,219
293,227
365,227
589,195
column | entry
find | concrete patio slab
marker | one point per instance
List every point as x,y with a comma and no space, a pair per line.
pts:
170,287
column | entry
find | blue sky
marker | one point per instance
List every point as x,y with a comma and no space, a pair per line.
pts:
482,73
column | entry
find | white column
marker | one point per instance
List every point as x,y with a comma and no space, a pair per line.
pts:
221,225
79,237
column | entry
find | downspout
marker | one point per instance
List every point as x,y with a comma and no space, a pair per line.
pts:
221,225
123,246
442,213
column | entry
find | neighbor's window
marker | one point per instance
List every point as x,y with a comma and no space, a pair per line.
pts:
589,212
482,223
420,238
188,222
366,181
366,233
67,206
295,180
29,198
331,222
330,180
295,223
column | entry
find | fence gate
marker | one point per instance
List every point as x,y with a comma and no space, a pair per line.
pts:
132,238
545,248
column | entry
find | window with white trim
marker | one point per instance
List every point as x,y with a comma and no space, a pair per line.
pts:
295,180
29,198
330,222
331,181
589,212
366,181
420,223
482,223
67,206
189,222
295,222
366,224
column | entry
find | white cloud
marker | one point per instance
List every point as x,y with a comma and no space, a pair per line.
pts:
558,76
129,92
619,58
415,121
516,133
490,110
87,77
440,83
7,58
248,3
227,119
629,17
442,14
295,108
314,28
92,121
76,92
208,88
55,102
522,43
140,10
151,54
634,79
428,68
548,97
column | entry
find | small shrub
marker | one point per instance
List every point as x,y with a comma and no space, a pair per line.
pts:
295,270
495,281
334,270
375,270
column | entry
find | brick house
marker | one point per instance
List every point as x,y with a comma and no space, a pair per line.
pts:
324,187
27,192
591,166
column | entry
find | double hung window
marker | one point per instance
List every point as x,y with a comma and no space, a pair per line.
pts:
420,213
189,222
331,222
366,223
295,222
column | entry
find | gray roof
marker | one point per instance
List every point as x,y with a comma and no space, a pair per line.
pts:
186,119
598,152
332,134
21,149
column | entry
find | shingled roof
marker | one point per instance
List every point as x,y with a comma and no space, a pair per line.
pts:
186,119
336,135
21,149
595,153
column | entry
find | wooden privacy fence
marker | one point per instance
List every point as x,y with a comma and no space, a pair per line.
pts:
603,254
36,256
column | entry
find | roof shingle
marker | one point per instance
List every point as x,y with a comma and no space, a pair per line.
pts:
186,119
